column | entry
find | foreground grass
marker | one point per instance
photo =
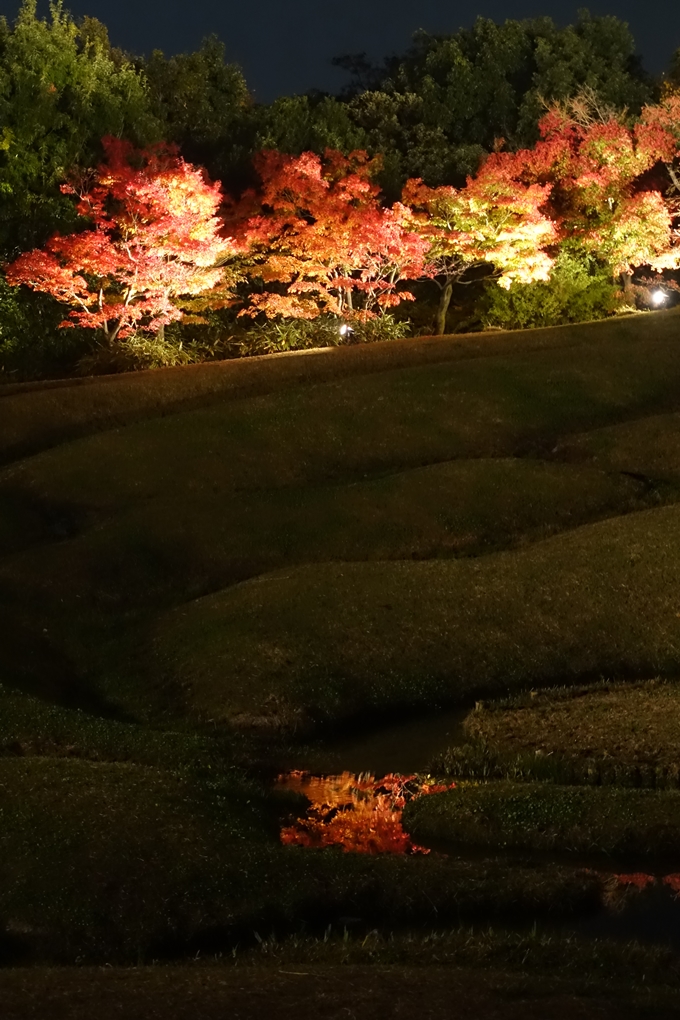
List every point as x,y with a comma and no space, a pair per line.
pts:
117,862
488,972
311,990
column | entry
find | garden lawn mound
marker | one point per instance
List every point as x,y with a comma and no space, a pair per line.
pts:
348,430
102,532
623,733
648,447
34,416
170,550
329,640
543,816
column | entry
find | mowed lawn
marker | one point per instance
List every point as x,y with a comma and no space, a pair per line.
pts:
414,534
278,547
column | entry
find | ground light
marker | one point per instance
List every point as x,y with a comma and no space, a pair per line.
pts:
658,298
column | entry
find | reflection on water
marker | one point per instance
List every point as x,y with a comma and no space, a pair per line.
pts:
636,906
403,746
357,812
362,814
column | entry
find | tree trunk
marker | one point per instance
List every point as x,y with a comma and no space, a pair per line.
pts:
161,333
444,302
628,291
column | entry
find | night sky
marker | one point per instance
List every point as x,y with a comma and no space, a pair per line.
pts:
285,46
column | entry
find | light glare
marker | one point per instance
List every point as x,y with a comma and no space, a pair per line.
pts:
658,297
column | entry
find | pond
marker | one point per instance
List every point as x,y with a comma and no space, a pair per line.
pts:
358,784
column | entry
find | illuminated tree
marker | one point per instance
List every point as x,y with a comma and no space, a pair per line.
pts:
495,220
317,232
154,237
600,196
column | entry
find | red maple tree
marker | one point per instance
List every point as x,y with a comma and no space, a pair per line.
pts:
317,232
154,236
602,196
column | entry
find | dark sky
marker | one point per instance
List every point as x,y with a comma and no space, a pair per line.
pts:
285,46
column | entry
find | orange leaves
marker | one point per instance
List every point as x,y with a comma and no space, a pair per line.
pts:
358,813
154,236
496,220
317,227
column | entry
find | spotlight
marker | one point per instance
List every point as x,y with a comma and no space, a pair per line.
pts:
345,330
658,298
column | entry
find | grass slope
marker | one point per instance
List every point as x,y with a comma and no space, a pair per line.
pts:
541,816
34,416
298,539
339,638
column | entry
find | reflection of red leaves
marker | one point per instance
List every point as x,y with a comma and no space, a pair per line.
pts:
358,813
637,879
673,882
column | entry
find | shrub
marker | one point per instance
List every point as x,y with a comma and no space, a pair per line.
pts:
579,289
276,335
31,344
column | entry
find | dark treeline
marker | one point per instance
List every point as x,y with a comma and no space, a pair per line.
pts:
432,112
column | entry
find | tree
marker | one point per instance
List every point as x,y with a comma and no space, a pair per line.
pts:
434,111
494,221
61,89
310,123
319,239
601,195
205,107
154,236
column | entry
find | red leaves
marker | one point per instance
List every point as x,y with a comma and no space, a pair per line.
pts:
316,237
591,173
155,236
318,227
358,813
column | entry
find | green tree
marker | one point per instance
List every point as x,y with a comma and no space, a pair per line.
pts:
434,111
309,123
61,89
205,107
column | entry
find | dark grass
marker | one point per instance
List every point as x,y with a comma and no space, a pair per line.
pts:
170,508
135,828
335,639
540,816
646,448
116,862
624,734
307,992
34,416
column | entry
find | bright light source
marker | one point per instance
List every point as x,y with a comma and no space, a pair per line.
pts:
658,297
345,330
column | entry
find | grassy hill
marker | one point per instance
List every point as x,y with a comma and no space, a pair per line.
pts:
192,556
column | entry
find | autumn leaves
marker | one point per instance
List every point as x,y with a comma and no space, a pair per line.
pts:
315,237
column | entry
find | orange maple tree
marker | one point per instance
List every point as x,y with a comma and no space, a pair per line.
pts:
319,239
154,235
